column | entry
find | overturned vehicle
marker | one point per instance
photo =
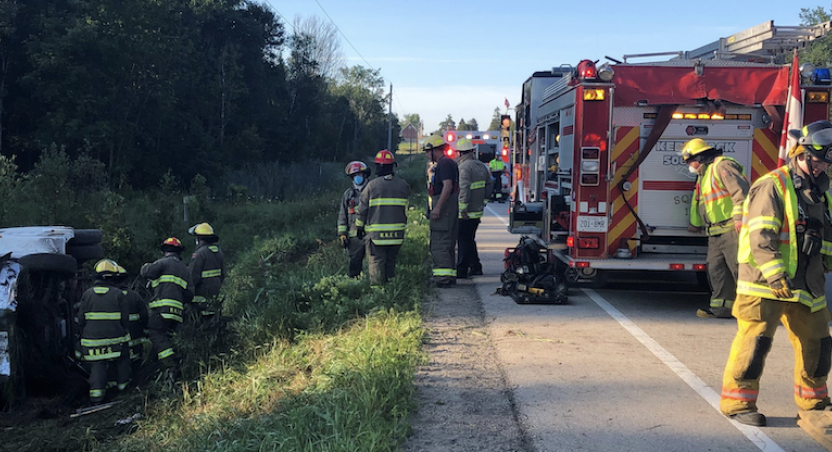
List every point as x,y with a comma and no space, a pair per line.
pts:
41,283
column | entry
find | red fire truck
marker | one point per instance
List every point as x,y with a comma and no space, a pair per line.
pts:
598,174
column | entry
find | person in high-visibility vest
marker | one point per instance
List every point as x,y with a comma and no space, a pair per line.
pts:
382,216
443,211
474,187
497,168
716,207
785,247
347,214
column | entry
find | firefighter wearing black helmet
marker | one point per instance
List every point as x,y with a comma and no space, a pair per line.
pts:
784,249
716,207
104,321
172,289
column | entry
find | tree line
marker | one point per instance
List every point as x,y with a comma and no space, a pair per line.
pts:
191,86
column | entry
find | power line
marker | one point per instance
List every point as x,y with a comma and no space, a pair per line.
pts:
342,34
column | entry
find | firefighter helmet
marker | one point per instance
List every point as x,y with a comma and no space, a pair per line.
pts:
201,230
464,145
106,268
122,271
815,138
172,244
356,167
695,148
385,157
433,142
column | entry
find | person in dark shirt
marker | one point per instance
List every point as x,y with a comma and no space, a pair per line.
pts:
444,211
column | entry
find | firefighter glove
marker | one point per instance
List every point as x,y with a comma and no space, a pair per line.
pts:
360,233
694,229
344,241
781,288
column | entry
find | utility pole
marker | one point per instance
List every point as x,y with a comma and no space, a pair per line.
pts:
390,121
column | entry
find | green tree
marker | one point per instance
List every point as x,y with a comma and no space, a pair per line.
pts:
819,52
462,125
413,119
447,124
495,120
473,125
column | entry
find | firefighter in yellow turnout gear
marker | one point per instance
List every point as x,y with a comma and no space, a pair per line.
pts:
104,321
443,209
382,216
474,188
721,188
785,246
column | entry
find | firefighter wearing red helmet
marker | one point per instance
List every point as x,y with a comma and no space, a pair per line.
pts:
104,322
382,217
443,209
785,247
172,289
359,172
716,208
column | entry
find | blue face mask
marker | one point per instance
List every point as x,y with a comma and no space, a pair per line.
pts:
358,180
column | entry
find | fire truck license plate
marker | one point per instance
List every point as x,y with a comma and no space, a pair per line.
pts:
592,224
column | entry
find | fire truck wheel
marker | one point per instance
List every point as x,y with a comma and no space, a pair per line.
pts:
595,279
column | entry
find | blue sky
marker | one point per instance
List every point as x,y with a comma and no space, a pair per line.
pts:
464,58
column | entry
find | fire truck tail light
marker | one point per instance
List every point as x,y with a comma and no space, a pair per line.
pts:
591,166
817,97
570,241
677,266
594,94
589,243
581,264
700,267
589,179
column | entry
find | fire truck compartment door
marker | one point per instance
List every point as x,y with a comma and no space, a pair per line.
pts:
666,185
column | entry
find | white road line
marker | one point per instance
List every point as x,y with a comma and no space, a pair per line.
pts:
754,434
499,217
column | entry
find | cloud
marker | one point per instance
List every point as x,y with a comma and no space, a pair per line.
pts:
433,104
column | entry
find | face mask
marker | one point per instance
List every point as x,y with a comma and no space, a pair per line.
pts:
693,170
358,180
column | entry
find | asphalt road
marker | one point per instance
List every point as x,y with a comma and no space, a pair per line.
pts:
629,367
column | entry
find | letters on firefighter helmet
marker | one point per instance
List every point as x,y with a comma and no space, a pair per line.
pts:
694,148
384,157
464,145
172,244
106,267
356,167
433,142
201,229
815,138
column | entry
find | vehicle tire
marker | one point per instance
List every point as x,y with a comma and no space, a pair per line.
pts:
86,237
83,253
49,262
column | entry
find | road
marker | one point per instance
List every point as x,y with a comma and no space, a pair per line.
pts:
627,368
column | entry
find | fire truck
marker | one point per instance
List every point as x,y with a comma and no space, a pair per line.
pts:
598,174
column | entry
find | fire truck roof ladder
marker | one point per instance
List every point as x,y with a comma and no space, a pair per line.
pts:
765,43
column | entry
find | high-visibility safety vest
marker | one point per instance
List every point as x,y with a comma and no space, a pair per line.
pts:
787,262
382,210
104,321
474,185
496,165
719,207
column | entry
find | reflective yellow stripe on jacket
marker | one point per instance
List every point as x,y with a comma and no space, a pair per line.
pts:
719,206
170,279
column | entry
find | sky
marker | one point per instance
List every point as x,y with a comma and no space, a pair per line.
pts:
465,58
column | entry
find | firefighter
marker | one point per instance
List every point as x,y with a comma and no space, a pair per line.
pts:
443,208
137,309
497,167
359,172
169,278
784,248
474,187
716,206
207,270
382,214
104,321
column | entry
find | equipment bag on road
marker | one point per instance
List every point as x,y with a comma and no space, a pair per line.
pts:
530,277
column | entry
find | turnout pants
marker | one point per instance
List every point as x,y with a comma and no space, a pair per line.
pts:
757,320
382,262
100,372
356,249
160,331
497,192
469,259
722,272
443,235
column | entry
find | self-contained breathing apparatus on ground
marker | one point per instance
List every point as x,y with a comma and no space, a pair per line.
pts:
530,276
